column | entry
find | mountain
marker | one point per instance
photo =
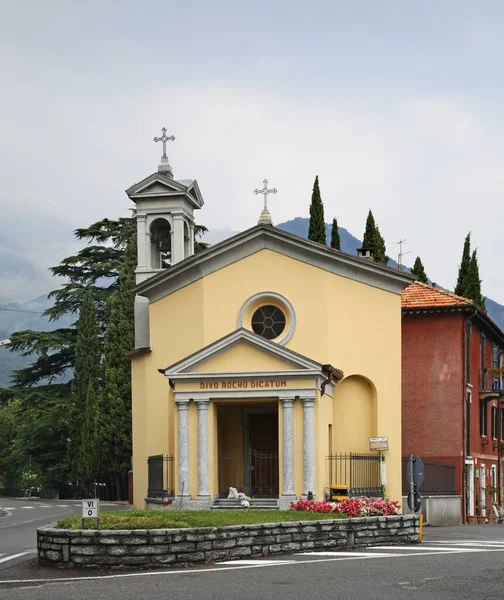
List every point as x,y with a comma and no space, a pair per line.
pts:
18,317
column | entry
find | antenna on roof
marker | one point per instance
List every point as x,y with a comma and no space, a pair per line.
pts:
401,254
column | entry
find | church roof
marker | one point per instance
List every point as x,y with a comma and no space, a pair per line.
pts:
146,188
420,294
263,237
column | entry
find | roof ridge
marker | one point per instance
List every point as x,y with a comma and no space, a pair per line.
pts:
441,291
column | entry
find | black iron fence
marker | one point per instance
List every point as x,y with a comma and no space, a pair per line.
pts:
439,478
360,472
161,476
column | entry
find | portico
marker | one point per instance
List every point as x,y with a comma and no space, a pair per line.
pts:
246,429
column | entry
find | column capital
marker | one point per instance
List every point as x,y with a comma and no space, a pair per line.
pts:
182,403
141,216
202,403
286,400
307,399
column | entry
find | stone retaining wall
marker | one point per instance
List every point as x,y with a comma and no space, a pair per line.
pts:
148,548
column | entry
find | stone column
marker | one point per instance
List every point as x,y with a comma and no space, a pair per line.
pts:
308,445
288,495
177,249
142,246
183,449
203,466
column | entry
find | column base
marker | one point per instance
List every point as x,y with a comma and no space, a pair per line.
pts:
181,502
284,501
188,503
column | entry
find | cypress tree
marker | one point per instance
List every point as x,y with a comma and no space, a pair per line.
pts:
335,236
317,228
89,453
373,240
116,396
85,385
473,283
419,271
462,280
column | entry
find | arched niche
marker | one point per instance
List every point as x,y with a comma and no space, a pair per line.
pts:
355,414
161,246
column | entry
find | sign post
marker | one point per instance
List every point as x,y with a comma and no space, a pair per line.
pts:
91,510
415,473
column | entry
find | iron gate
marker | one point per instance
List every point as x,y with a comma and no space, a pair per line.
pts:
360,472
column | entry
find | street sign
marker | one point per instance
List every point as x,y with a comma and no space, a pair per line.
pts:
378,443
415,470
90,508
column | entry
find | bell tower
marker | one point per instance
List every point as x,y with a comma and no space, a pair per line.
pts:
165,227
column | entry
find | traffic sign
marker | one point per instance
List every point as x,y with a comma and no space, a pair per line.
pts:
90,508
415,470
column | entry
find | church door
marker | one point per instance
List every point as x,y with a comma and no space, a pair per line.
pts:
263,454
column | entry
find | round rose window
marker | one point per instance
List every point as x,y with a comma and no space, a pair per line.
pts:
268,321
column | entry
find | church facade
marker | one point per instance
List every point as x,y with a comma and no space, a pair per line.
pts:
259,358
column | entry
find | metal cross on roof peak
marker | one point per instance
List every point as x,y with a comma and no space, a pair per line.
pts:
265,191
164,138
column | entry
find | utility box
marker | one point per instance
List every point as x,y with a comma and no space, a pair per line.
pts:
339,492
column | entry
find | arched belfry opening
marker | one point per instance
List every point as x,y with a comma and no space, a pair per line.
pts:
161,244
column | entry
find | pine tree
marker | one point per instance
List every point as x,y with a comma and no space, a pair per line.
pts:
419,271
85,385
374,240
473,283
317,228
116,396
335,236
461,287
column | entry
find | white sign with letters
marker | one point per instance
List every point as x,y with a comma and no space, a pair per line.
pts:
90,508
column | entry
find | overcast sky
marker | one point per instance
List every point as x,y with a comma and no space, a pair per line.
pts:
397,106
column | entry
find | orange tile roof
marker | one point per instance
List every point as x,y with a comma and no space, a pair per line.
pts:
419,294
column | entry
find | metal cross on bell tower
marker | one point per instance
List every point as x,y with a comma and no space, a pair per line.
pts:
164,138
265,218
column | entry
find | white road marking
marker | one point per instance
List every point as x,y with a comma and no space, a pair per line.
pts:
44,505
219,568
423,548
252,561
62,505
9,508
338,553
12,556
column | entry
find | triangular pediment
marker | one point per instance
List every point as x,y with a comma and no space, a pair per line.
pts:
158,185
243,352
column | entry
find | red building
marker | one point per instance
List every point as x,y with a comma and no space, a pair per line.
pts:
451,390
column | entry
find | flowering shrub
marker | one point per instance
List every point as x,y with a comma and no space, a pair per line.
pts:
355,507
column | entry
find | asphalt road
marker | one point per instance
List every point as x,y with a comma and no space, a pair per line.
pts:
18,538
460,563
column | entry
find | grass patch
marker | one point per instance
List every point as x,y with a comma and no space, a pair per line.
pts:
158,519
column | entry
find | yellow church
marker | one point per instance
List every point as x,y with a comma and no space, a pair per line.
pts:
265,363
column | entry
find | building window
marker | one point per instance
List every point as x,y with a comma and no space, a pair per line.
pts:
468,353
268,321
495,356
494,422
482,362
483,417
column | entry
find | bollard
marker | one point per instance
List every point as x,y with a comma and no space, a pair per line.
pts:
165,499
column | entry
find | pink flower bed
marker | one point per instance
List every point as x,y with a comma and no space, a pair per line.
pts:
355,507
